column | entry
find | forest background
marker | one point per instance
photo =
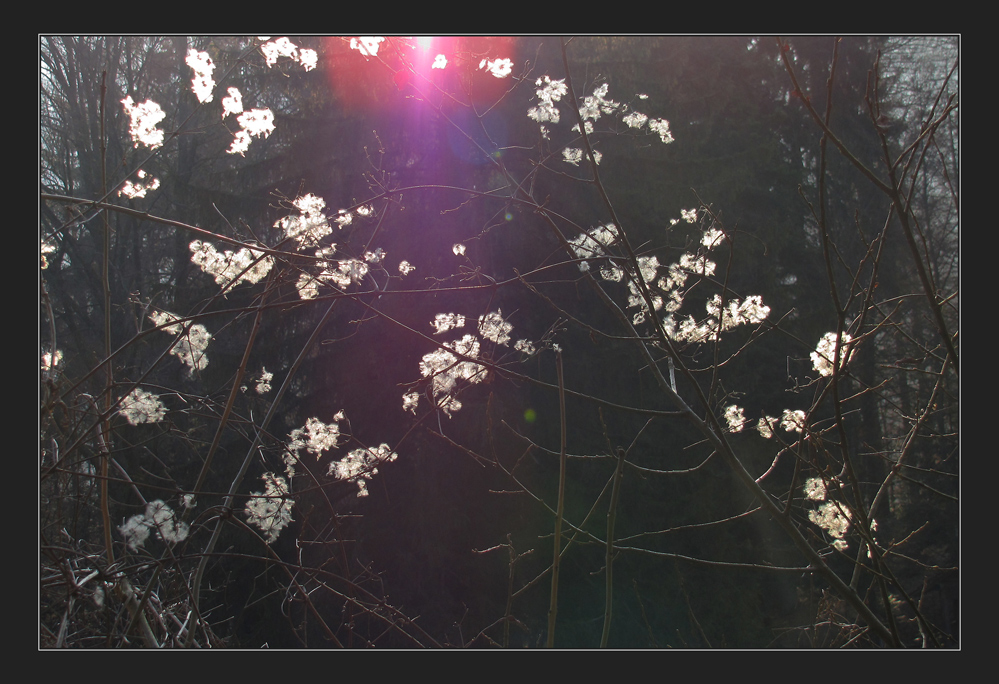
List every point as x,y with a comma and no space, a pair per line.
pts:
341,338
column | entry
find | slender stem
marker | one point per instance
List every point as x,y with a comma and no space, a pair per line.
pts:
609,561
560,511
105,428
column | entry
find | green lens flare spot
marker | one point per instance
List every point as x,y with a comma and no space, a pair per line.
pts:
530,415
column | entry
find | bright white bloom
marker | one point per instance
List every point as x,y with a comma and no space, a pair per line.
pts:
661,126
612,272
159,517
676,278
735,313
202,83
46,247
141,406
735,418
270,510
440,61
137,190
316,437
240,143
578,154
696,264
307,286
349,271
135,531
549,92
308,58
167,526
342,274
458,249
187,501
546,111
49,362
253,124
375,257
766,427
366,45
233,104
257,122
815,489
227,266
712,238
450,404
361,465
192,345
410,401
282,47
594,105
675,299
494,328
343,219
689,215
834,520
594,243
793,421
444,322
825,353
406,268
689,330
647,267
500,68
446,369
468,345
635,119
311,225
525,346
441,365
572,155
264,383
143,120
454,361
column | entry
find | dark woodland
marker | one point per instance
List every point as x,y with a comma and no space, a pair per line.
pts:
499,342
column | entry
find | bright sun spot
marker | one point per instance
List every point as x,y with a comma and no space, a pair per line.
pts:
425,42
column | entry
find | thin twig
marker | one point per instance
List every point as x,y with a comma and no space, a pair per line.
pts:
560,512
609,556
